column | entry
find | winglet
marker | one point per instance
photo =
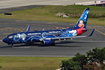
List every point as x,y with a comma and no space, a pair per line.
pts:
91,33
28,28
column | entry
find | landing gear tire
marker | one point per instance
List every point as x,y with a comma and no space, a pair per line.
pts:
42,43
53,44
12,46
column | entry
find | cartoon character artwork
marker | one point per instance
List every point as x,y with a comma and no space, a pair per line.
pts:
81,24
19,37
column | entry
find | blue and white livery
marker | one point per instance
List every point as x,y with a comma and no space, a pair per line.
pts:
48,37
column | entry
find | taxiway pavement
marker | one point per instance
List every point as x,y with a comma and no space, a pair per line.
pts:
61,49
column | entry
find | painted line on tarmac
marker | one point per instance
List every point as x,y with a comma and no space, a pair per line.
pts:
93,41
81,41
100,32
97,30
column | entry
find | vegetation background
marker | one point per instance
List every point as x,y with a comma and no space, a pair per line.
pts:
47,13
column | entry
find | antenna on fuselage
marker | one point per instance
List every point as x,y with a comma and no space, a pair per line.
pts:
28,28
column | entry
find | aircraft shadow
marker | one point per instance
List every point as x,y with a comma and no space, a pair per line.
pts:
64,42
58,44
5,47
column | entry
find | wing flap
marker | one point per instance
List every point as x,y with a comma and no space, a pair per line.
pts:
57,38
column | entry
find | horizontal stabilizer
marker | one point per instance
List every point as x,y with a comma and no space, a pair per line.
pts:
91,33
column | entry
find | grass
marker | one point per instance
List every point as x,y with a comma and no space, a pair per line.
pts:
31,63
47,13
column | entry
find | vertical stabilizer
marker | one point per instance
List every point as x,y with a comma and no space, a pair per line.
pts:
82,22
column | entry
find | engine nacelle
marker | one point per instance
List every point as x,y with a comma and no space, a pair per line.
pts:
47,42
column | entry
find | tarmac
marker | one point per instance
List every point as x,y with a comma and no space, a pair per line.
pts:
18,3
61,49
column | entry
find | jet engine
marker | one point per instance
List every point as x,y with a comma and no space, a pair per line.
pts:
47,42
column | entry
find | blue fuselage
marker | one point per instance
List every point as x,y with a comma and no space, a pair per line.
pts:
35,36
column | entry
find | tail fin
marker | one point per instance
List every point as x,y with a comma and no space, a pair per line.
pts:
82,22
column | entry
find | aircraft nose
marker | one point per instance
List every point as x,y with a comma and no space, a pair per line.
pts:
6,40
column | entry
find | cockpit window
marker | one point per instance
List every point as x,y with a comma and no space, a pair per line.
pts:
10,37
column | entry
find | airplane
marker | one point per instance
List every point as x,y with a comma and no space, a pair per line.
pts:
48,37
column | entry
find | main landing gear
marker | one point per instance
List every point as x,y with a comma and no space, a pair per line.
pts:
11,45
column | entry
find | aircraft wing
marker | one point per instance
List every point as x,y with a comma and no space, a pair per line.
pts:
57,38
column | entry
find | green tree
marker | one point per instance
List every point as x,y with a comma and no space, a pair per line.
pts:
96,54
70,65
76,63
82,59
